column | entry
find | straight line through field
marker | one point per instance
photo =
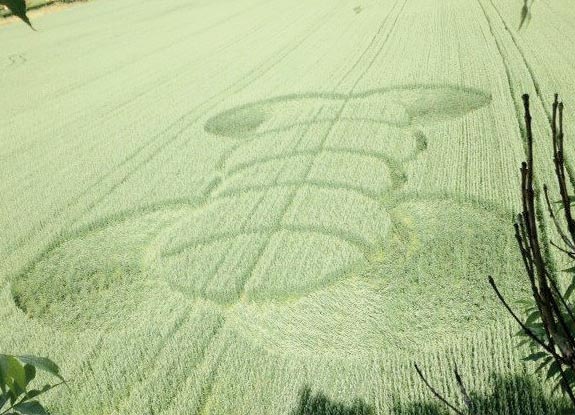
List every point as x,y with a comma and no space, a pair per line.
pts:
113,111
278,225
242,293
208,385
518,111
374,196
210,198
391,164
568,164
211,102
152,362
534,82
244,82
68,89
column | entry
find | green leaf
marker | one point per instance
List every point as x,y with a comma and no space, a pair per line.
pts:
569,290
2,379
569,376
31,408
558,385
3,367
526,303
520,333
36,392
30,373
42,363
524,341
571,198
3,400
525,15
18,8
546,361
534,357
12,396
13,373
538,330
532,318
554,370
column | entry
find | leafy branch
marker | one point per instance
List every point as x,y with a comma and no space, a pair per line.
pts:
550,324
16,374
526,13
18,8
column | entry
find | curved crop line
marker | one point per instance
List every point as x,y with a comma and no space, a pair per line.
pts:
374,196
222,259
326,120
242,229
209,384
370,92
207,393
390,162
237,86
272,65
254,135
352,239
493,208
104,223
181,39
246,276
304,96
152,362
266,104
278,223
310,166
396,171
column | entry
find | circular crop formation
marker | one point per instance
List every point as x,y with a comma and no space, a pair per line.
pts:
429,282
237,122
402,106
298,242
92,278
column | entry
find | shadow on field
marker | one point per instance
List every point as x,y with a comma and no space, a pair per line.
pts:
319,404
510,395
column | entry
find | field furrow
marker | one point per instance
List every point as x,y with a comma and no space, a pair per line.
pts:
237,207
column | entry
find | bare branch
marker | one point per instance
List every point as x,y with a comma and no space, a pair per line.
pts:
526,329
463,390
527,261
437,394
564,237
566,252
560,164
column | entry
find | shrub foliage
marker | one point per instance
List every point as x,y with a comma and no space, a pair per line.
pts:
16,374
549,327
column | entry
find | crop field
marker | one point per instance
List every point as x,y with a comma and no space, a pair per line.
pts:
272,206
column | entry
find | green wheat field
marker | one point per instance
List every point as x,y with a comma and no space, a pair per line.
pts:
247,206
